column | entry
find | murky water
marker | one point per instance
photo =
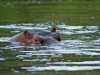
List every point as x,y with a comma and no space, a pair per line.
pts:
77,54
78,51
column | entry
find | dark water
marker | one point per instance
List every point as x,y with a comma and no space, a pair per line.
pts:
78,53
78,21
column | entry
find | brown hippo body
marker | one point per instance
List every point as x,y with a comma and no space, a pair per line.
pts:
37,36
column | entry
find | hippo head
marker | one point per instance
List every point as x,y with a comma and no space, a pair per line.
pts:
38,37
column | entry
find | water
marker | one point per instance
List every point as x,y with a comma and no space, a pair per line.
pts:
77,21
78,51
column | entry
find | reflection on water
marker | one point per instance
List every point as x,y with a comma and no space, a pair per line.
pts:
79,50
57,68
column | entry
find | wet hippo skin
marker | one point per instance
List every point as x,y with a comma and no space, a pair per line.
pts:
37,37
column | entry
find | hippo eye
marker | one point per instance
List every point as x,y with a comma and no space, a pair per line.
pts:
36,40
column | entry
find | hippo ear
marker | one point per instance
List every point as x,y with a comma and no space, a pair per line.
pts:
26,34
53,29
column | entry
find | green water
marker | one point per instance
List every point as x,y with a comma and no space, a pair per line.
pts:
72,12
45,14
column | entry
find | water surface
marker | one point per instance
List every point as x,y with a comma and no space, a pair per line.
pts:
77,21
78,51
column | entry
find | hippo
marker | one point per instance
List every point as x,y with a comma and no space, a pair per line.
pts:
37,37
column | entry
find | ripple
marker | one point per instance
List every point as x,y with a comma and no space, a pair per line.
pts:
22,27
37,60
70,27
60,68
4,39
82,32
83,62
92,27
2,59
